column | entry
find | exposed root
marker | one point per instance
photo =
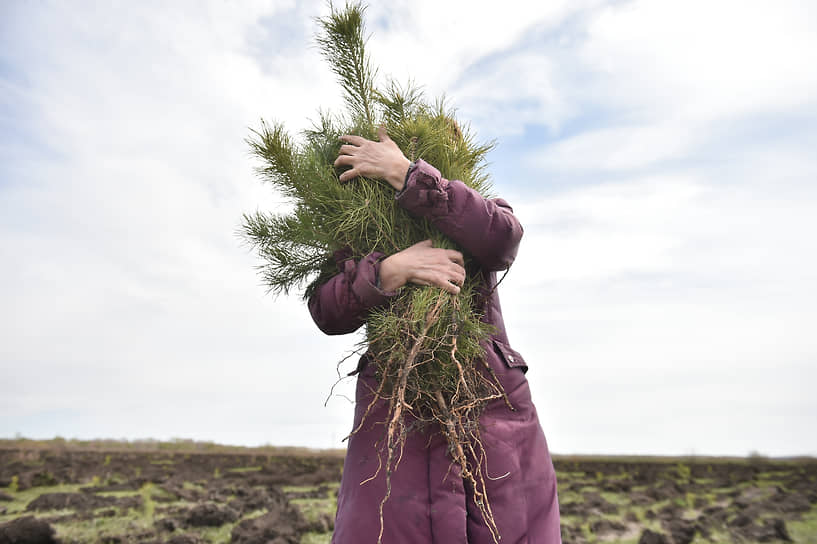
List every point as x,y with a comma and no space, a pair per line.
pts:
396,430
427,378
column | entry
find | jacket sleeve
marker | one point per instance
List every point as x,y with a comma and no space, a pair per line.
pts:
486,228
340,305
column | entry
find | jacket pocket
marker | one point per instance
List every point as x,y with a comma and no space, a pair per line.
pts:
510,356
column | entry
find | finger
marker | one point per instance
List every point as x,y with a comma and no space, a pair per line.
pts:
456,279
382,135
344,160
354,140
458,274
348,174
455,256
425,276
347,149
442,281
451,287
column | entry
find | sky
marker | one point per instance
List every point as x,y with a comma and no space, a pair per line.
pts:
659,155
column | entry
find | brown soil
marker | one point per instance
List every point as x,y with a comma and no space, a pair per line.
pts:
26,530
196,491
651,501
753,500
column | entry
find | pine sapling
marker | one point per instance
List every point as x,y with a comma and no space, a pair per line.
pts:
426,344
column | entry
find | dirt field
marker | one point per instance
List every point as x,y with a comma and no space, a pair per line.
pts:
192,493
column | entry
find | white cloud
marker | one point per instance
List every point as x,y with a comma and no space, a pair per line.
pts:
653,67
619,148
703,60
128,285
435,42
676,273
686,296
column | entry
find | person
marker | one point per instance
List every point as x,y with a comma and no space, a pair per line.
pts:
429,501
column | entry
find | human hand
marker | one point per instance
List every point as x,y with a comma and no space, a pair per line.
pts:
378,160
424,265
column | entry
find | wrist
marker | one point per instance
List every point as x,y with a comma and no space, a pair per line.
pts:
397,176
390,274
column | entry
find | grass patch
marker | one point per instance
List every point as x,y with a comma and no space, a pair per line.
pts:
298,488
162,494
50,513
620,499
568,497
155,493
641,512
313,509
93,530
223,534
628,540
804,530
316,538
217,535
588,489
17,506
252,515
244,469
332,487
118,494
194,486
715,537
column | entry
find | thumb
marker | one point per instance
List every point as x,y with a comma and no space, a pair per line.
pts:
382,135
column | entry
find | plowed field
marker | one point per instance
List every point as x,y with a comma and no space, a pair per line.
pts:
54,492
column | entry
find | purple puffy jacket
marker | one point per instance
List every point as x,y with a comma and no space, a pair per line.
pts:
429,503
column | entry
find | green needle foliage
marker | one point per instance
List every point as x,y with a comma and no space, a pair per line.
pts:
425,342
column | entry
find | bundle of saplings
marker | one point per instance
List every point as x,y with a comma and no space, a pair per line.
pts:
426,342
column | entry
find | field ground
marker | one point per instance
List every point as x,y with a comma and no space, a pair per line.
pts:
188,493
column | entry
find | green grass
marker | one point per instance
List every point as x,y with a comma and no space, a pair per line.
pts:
805,530
159,493
298,488
715,537
148,505
118,494
90,530
316,538
566,497
312,509
632,540
50,513
217,535
331,486
245,469
254,514
21,498
194,486
135,521
155,493
222,534
619,499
